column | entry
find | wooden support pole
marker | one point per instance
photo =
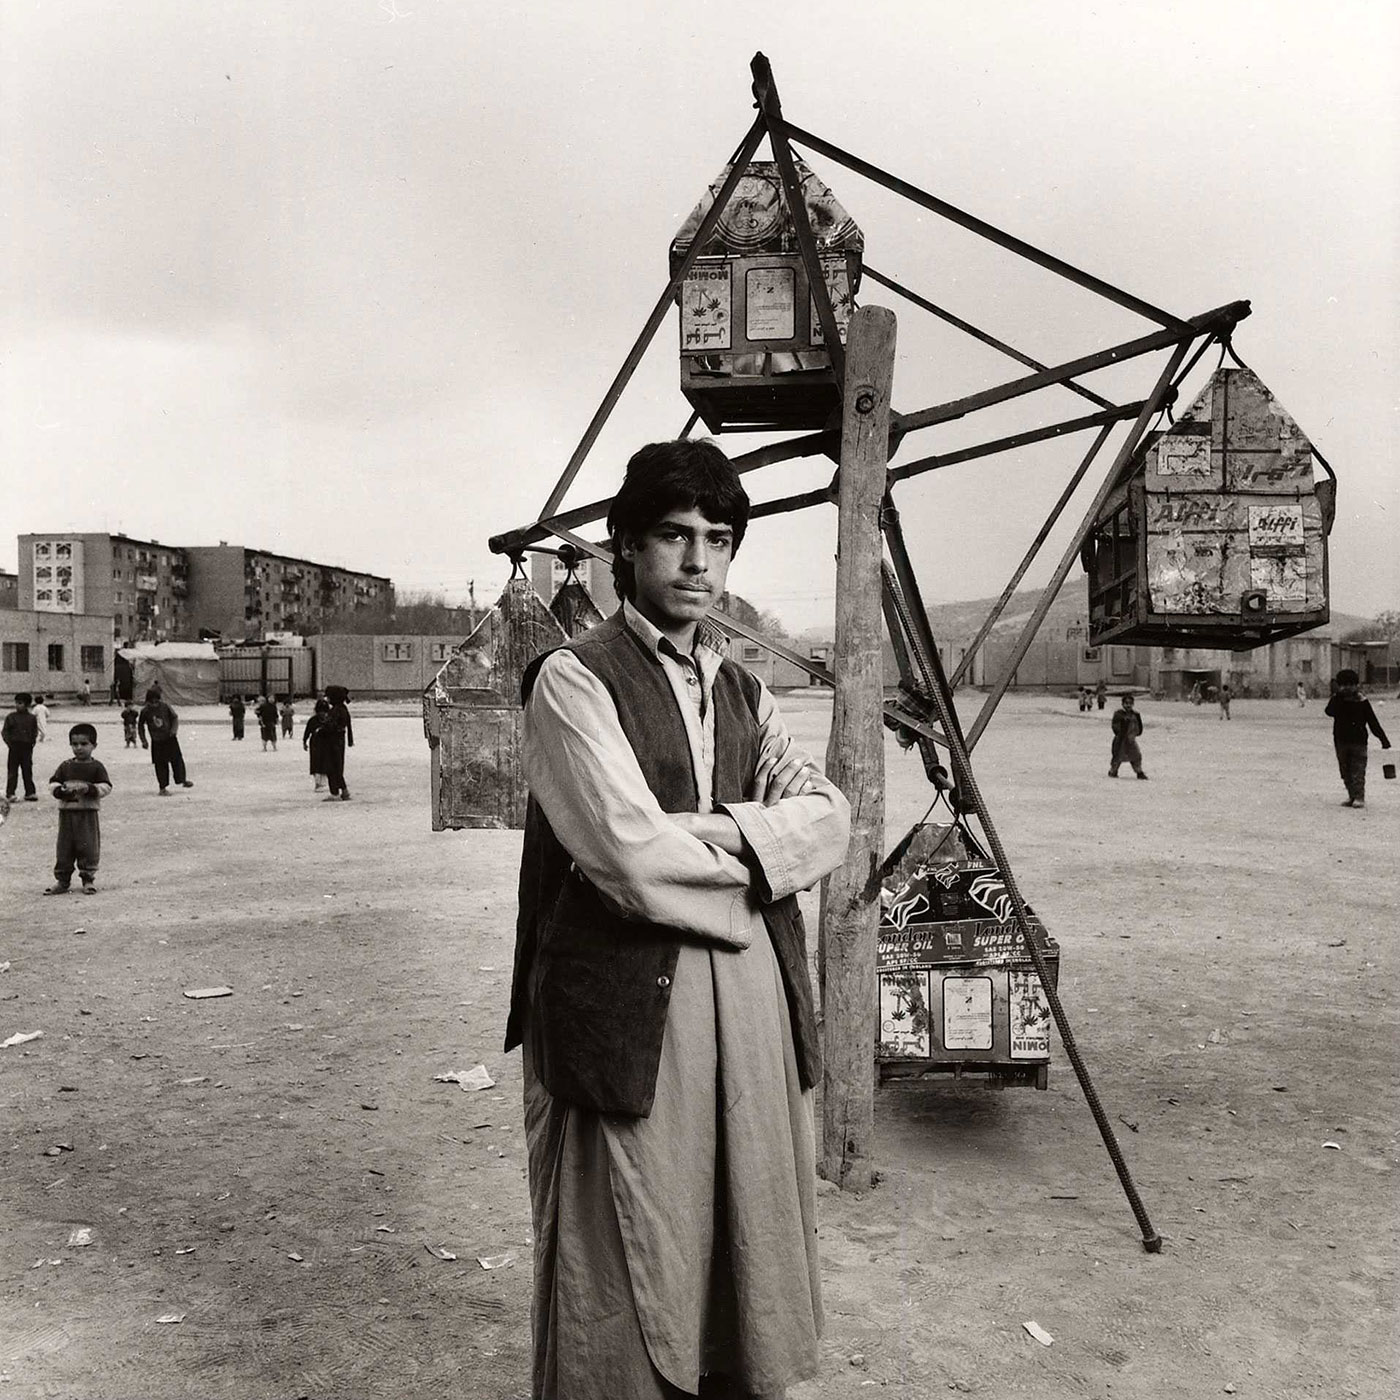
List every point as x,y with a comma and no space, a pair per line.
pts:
855,761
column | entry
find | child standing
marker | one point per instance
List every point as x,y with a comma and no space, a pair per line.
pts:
1352,716
236,710
41,716
288,716
20,733
79,783
313,741
267,721
1127,727
129,717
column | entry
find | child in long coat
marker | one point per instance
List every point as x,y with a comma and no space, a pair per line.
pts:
313,740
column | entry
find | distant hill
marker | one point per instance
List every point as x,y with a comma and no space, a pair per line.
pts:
960,621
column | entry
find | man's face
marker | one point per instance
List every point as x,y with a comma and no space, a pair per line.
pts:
81,745
680,565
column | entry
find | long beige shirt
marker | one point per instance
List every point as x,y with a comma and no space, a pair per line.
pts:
713,1193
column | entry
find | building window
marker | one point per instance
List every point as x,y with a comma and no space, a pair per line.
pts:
93,659
752,652
398,651
55,656
15,656
1091,656
439,651
1305,666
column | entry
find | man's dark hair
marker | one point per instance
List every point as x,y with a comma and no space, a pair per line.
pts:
688,474
83,731
1348,677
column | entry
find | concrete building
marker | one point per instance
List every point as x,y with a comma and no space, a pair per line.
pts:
1270,671
142,586
238,592
159,593
382,665
9,590
50,653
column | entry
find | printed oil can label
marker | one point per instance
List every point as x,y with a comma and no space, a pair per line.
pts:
771,303
1284,578
1179,455
838,288
1030,1017
904,1015
705,304
1275,525
967,1013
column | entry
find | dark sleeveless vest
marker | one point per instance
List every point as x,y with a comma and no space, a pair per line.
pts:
591,987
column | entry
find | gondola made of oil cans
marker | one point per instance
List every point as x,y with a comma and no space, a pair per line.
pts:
1216,535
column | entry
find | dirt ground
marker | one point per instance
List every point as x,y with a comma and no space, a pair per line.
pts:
279,1170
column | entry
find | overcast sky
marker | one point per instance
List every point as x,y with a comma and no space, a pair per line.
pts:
347,280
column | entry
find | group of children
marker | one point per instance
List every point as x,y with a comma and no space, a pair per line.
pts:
81,782
328,732
269,715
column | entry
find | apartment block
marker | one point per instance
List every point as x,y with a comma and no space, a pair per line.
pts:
239,592
141,585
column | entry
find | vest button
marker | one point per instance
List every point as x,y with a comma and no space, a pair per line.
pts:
663,982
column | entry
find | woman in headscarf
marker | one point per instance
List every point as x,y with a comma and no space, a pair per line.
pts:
338,736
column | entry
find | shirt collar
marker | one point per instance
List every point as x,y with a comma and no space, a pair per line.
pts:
708,636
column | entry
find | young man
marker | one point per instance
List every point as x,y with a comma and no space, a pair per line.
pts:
1352,716
20,732
660,986
1127,725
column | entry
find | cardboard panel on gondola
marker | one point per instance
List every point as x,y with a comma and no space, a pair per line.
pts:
958,991
1217,535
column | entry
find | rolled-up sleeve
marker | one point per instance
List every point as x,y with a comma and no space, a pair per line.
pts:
583,773
799,840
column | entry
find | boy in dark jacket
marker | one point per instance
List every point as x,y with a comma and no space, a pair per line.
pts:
1352,716
79,784
163,725
20,732
129,717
